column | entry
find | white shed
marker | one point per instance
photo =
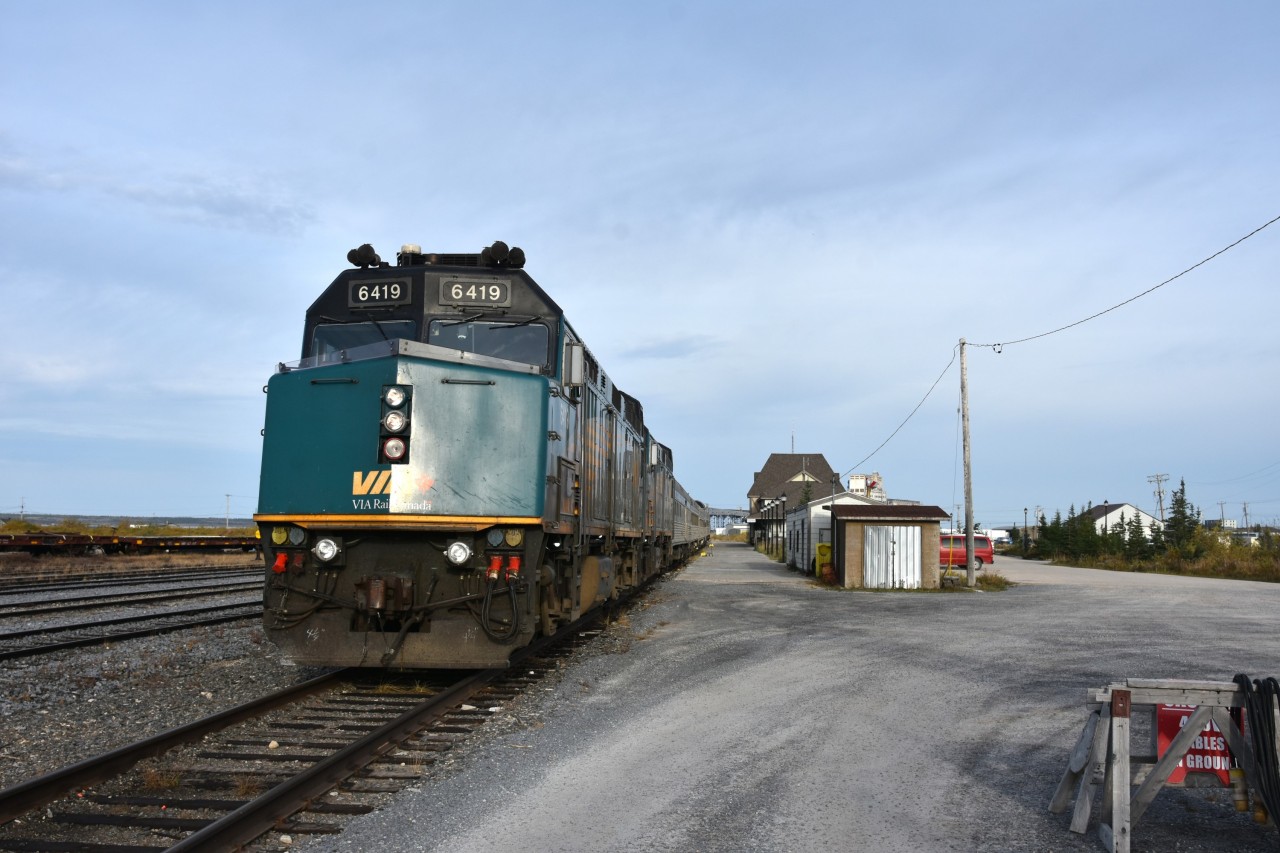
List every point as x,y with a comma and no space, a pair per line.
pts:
888,547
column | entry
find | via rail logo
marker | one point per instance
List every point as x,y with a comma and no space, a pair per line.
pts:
371,482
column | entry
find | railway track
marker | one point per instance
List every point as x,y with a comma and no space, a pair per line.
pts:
40,627
24,609
325,748
119,599
15,586
96,632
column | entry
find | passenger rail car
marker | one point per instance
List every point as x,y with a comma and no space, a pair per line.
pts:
447,473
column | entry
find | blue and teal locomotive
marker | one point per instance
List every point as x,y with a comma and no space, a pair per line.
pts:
447,473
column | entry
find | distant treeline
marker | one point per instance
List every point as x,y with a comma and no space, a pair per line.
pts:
1184,546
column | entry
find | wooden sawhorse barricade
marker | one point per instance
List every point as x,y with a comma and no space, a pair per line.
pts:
1102,757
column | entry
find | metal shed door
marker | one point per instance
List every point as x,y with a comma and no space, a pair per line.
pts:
891,557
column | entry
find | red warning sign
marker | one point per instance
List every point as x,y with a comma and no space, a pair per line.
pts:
1209,752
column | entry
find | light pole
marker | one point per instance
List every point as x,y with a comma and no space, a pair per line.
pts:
1026,538
768,538
1106,527
782,530
765,528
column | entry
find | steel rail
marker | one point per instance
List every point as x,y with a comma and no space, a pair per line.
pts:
30,651
91,602
34,793
265,812
15,584
124,620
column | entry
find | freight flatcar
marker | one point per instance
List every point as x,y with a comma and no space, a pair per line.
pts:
87,544
448,473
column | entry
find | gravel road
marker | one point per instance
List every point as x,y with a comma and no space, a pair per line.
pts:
748,710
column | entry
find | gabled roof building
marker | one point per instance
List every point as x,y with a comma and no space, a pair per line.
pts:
1109,517
791,474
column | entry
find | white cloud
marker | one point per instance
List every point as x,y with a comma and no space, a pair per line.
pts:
762,219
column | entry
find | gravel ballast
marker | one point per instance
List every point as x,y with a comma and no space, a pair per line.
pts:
740,707
752,711
61,708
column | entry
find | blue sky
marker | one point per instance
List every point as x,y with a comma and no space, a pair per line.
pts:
772,223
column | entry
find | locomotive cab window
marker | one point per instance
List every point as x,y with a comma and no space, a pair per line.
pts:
330,338
523,341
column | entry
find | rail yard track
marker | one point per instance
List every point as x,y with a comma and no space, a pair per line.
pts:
32,583
327,747
38,641
33,616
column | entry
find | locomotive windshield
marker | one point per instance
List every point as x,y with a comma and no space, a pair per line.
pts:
331,338
522,340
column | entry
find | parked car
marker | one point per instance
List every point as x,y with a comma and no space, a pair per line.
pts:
951,551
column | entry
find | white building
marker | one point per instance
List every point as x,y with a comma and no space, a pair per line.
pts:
1111,517
810,525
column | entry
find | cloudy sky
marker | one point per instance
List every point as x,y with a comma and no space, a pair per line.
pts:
772,222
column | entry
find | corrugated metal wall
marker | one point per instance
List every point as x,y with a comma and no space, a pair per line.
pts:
891,557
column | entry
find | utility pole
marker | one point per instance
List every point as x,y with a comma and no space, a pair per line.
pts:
968,471
228,512
1159,479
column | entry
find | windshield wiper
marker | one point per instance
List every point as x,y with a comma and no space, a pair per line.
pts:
470,319
515,324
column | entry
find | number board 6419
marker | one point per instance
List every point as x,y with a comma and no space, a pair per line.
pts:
475,290
392,291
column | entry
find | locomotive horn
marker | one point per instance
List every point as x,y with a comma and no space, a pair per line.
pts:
516,259
499,251
364,257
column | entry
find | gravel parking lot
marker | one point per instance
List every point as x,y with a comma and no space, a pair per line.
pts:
746,709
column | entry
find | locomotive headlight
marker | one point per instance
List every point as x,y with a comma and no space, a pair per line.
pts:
514,536
458,553
394,449
279,535
297,536
394,421
494,536
394,396
326,549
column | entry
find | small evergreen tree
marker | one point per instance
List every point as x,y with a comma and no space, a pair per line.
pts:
1183,525
1136,544
1115,538
1070,537
1051,536
1157,545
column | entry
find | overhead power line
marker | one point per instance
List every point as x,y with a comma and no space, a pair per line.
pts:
908,417
998,346
1237,479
